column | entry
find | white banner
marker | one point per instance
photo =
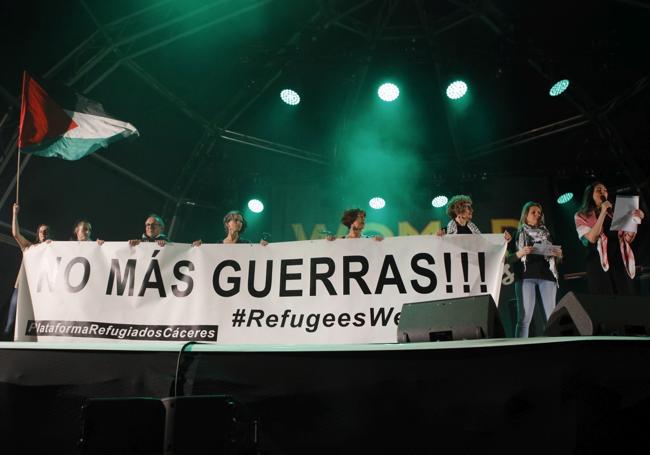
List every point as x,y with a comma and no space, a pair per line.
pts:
308,292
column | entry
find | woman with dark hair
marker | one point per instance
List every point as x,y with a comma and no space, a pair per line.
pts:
610,263
42,232
355,221
533,270
42,235
460,212
234,224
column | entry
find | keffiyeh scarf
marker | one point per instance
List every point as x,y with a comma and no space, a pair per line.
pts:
452,227
584,224
528,236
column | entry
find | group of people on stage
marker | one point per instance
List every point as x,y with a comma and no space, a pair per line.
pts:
610,266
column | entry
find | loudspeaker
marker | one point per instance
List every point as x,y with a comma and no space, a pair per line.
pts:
452,319
585,315
175,425
208,424
122,425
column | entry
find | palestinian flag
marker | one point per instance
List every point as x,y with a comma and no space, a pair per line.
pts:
58,122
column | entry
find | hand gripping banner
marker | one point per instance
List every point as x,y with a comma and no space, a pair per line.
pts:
306,292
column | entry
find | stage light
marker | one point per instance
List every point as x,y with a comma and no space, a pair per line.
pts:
388,92
290,97
255,206
559,87
564,198
439,201
377,203
456,90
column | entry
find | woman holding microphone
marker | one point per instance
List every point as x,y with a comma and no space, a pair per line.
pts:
610,265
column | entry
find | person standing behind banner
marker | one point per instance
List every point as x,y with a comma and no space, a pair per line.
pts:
234,224
460,212
42,235
533,270
154,228
610,265
82,232
355,221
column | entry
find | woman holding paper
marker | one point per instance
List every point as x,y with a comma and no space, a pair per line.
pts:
610,263
535,266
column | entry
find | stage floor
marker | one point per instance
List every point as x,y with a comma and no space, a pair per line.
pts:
554,395
163,346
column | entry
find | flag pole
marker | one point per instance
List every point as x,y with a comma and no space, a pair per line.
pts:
23,108
18,179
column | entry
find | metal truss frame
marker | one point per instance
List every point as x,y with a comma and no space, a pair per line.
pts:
117,43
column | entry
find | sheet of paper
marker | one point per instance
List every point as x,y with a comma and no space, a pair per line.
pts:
545,249
622,220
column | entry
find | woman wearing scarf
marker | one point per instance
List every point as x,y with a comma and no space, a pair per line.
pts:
610,263
533,270
460,212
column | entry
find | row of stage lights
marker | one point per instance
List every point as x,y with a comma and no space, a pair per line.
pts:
441,200
389,92
378,203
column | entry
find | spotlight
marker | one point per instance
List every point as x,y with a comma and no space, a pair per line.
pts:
456,90
564,198
388,92
377,203
290,97
559,87
439,201
255,206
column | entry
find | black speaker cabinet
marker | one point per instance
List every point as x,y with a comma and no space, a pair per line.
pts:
122,425
452,319
208,424
175,425
608,315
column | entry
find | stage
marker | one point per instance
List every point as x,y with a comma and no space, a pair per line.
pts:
542,395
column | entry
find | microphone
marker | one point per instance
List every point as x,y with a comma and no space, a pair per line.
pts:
603,199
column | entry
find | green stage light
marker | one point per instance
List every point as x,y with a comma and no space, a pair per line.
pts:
439,201
559,87
388,92
456,90
564,198
290,97
255,206
377,203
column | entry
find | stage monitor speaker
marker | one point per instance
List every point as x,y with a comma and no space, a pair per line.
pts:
122,425
452,319
208,424
608,315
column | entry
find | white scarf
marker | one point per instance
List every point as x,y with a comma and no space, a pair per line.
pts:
528,235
